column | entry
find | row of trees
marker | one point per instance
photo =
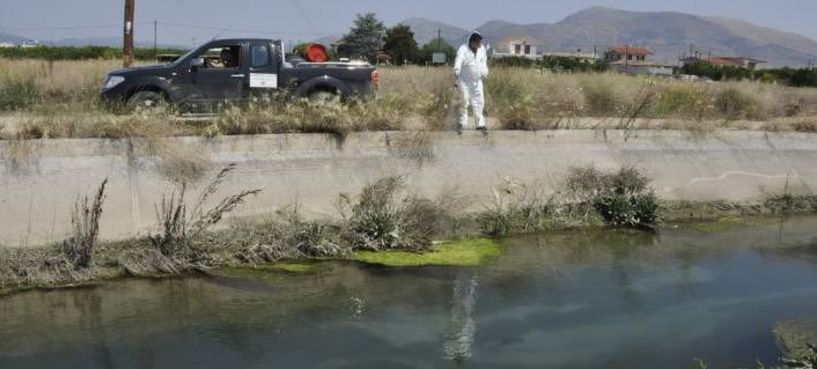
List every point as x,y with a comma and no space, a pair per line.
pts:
80,53
369,37
789,76
554,63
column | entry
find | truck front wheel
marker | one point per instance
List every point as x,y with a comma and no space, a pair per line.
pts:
147,100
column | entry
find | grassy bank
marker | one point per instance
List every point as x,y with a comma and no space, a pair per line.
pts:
383,224
58,99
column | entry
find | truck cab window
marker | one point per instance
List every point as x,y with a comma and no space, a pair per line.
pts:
260,56
225,57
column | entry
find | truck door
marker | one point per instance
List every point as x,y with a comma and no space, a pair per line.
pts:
220,74
263,70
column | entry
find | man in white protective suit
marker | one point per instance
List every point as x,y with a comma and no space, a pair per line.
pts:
470,69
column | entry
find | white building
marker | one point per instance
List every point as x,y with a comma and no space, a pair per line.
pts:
27,44
518,47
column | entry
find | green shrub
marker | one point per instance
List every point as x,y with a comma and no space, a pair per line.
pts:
600,97
628,210
684,101
18,93
622,198
381,217
734,104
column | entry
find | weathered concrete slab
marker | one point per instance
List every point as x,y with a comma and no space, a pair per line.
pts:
39,180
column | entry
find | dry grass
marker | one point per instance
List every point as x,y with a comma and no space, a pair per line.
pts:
58,99
79,248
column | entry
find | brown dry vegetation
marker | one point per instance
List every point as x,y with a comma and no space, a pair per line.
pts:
58,99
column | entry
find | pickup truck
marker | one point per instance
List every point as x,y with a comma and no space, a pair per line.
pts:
236,70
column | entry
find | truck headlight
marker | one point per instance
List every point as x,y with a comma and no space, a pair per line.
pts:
113,81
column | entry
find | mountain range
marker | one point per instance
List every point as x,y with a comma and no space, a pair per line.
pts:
112,41
669,34
11,38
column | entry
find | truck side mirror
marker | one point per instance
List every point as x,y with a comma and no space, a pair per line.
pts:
196,64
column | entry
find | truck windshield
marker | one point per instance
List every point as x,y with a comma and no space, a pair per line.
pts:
183,57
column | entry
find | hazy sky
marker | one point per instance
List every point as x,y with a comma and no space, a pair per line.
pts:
302,19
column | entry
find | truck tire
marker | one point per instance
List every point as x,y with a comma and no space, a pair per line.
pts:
147,100
324,97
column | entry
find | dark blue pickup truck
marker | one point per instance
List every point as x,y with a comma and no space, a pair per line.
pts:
236,70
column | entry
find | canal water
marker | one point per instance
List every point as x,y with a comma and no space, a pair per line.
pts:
579,299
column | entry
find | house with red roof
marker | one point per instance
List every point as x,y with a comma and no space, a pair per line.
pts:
634,60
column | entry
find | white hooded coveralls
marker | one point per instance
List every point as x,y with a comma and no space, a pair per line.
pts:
471,69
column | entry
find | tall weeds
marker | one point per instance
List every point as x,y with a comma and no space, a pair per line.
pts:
287,235
516,208
179,227
79,248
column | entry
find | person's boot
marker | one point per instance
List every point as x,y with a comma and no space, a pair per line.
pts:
459,129
483,129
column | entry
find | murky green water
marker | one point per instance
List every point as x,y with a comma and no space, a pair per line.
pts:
567,300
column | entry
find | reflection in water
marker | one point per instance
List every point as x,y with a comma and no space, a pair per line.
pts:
458,344
358,306
88,304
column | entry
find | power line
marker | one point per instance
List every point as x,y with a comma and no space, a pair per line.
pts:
168,24
300,9
255,31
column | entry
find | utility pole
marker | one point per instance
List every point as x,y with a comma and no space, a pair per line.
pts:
155,39
127,50
439,39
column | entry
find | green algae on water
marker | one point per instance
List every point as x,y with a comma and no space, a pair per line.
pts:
270,272
728,223
472,252
291,267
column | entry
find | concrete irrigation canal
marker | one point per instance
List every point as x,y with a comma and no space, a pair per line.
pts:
576,299
728,279
40,180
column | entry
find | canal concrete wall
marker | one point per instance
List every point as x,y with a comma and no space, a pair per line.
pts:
40,180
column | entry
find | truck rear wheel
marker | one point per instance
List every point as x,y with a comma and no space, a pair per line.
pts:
147,100
324,97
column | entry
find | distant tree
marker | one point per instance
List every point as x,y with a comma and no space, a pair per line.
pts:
400,44
803,78
365,39
434,46
717,73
